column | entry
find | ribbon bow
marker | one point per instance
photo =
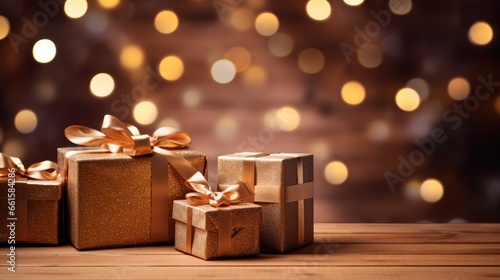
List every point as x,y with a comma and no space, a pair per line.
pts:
234,194
45,170
117,136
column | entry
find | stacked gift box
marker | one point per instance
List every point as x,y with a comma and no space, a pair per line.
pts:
121,188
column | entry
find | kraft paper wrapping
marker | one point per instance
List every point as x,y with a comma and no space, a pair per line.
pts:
279,231
245,220
110,197
43,211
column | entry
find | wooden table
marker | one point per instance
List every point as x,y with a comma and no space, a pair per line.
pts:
341,251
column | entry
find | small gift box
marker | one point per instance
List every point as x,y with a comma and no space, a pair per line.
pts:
283,186
121,194
33,202
214,226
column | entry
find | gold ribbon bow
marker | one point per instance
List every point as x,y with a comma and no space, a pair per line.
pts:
45,170
233,194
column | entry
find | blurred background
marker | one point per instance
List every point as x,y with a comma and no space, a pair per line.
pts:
397,99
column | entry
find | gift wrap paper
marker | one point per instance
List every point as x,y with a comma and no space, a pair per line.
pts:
111,201
242,234
38,211
276,172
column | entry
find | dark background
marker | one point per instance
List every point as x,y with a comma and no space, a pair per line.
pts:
430,43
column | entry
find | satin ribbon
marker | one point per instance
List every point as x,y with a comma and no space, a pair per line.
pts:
45,170
118,137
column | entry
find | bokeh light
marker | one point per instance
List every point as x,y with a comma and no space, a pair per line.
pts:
353,93
280,44
223,71
378,130
336,172
318,9
241,19
145,112
191,98
75,8
431,190
458,88
131,57
44,51
240,57
420,86
320,149
4,27
255,76
96,21
166,22
109,4
266,24
283,119
26,121
14,147
407,99
226,128
44,91
311,61
412,190
497,104
480,33
354,2
400,7
170,122
370,56
102,85
171,68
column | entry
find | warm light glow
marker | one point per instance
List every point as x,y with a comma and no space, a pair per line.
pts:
458,88
480,33
96,21
412,190
266,24
44,91
283,119
255,76
353,93
75,8
131,57
370,56
171,68
400,7
431,190
191,98
318,9
497,104
378,130
354,2
240,57
226,128
407,99
311,61
170,122
223,71
109,4
145,112
280,44
420,86
44,51
4,27
14,147
336,172
166,22
102,85
320,149
241,19
25,121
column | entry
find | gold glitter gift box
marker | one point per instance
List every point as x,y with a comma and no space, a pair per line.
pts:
209,232
283,186
115,200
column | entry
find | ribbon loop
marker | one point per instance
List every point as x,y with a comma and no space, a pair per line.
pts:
45,170
232,195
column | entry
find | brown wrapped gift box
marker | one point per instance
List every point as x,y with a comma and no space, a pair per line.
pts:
242,234
114,200
43,211
278,175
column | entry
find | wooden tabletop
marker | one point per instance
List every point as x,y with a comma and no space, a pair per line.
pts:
340,251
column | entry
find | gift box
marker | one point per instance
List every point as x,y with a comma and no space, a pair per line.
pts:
211,232
115,200
120,192
32,208
283,186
